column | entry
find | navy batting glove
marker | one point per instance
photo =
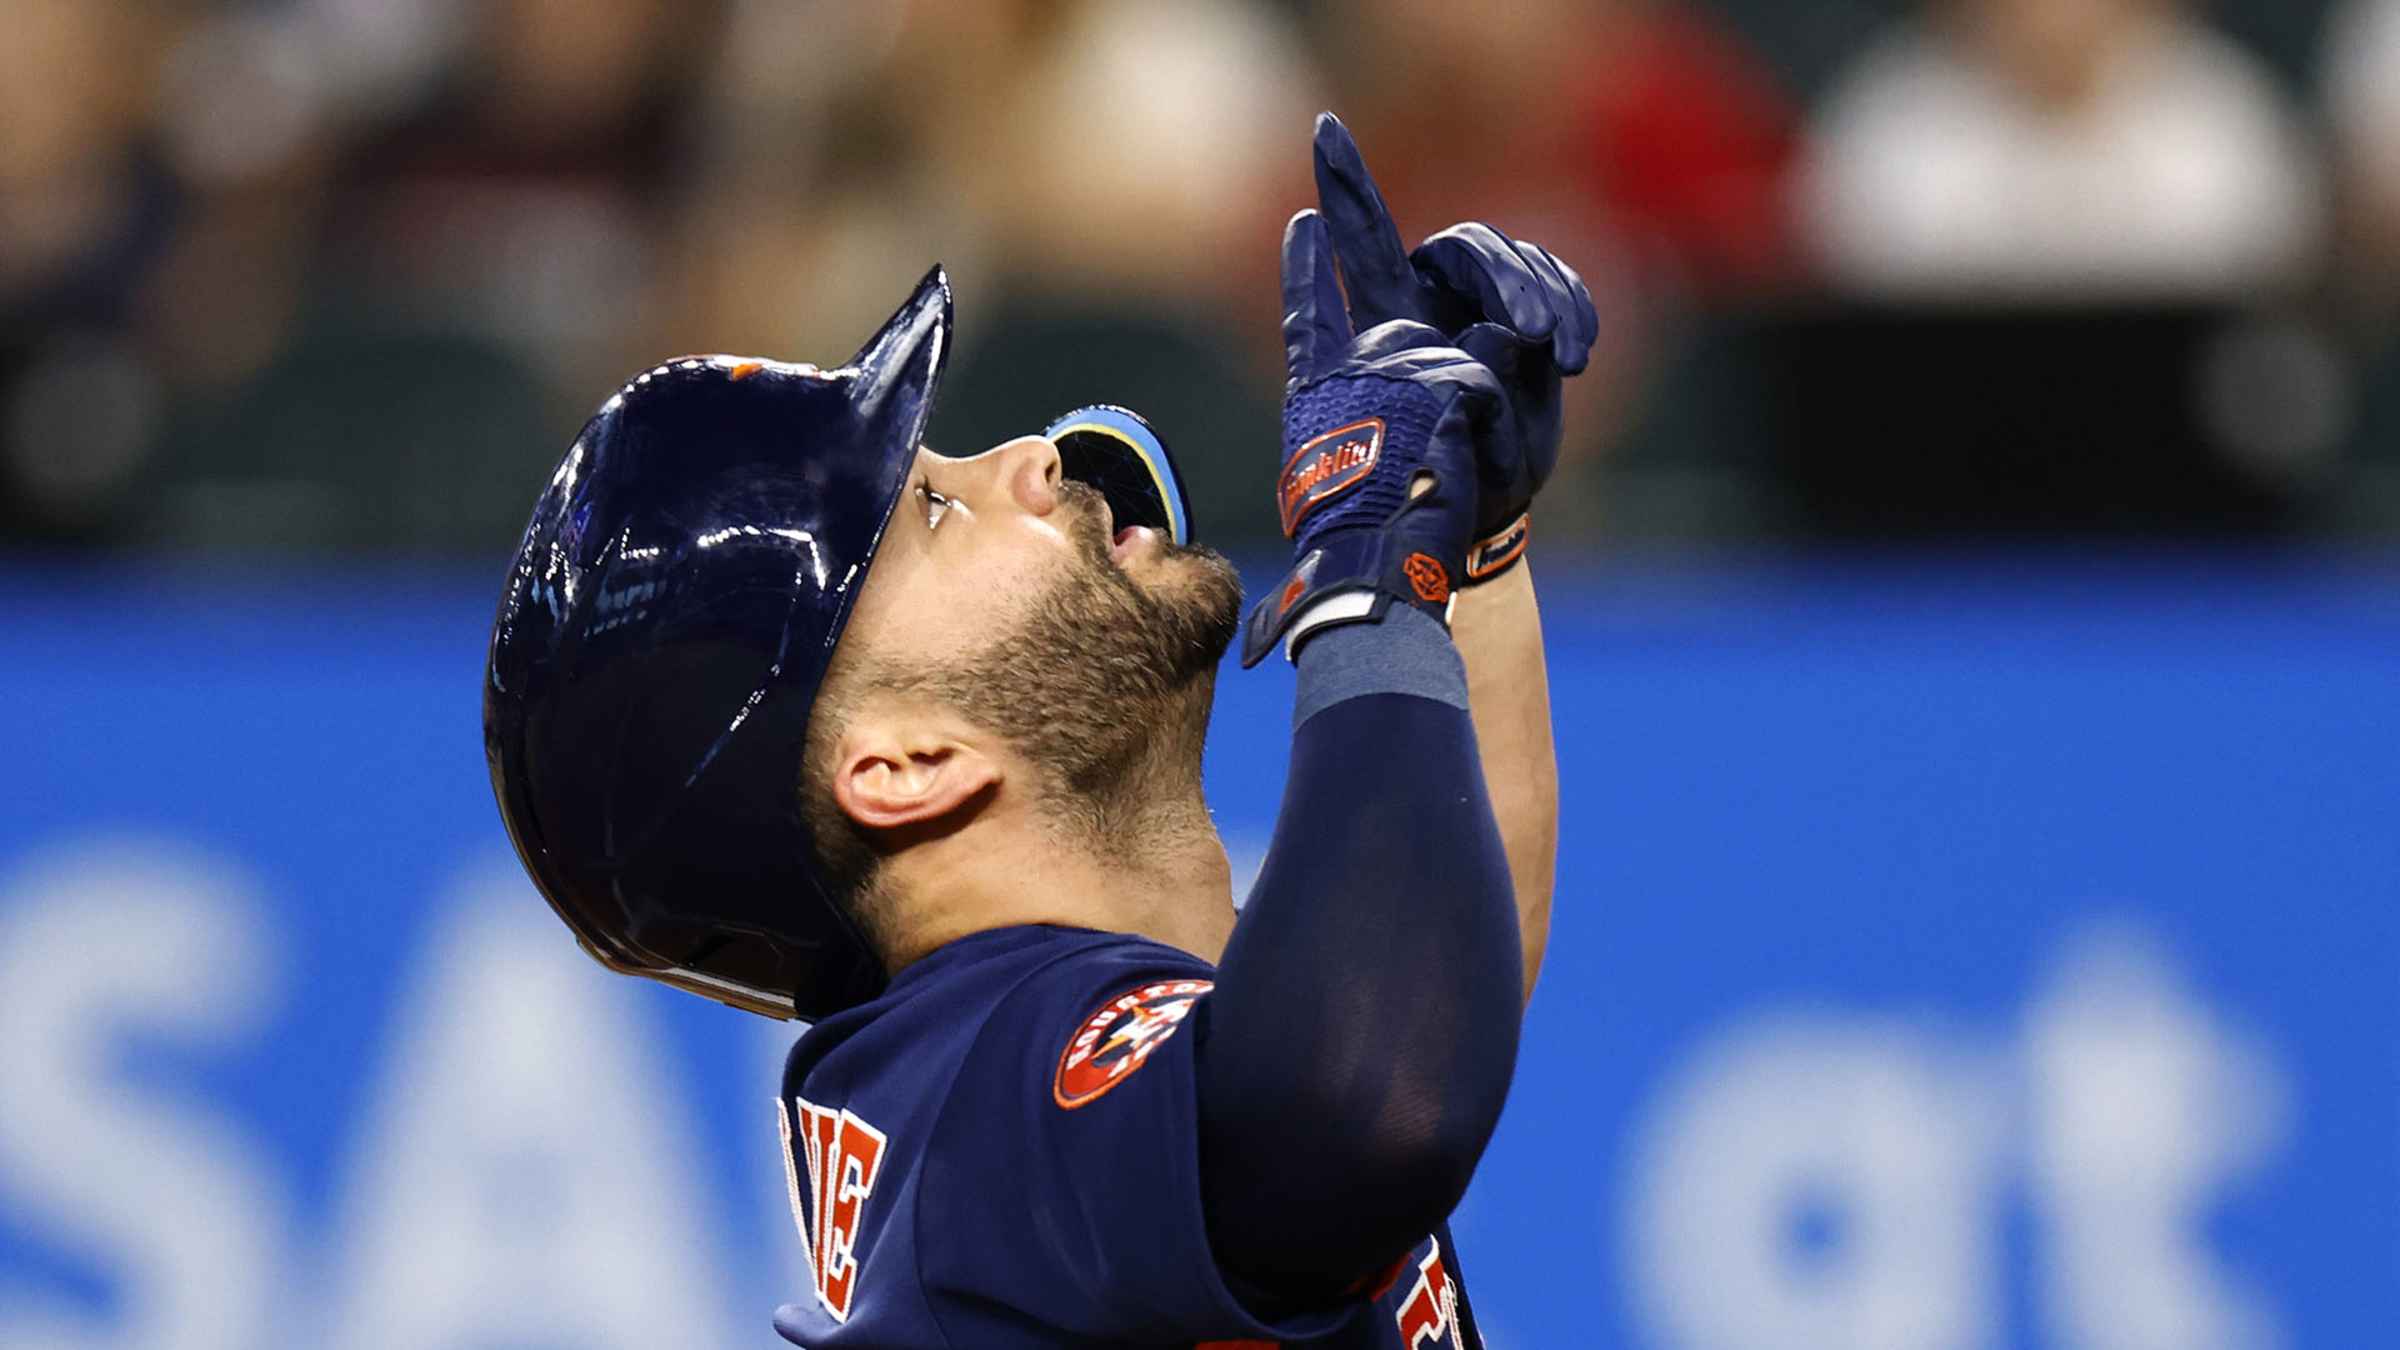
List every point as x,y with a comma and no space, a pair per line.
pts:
1382,433
1510,304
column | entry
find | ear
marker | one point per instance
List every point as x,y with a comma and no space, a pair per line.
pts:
892,778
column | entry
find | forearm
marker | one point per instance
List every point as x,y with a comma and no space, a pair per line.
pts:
1358,1047
1498,626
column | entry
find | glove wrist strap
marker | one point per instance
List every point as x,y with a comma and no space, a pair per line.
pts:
1332,611
1350,576
1498,551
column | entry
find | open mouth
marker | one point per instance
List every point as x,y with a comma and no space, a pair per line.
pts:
1128,541
1115,452
1123,541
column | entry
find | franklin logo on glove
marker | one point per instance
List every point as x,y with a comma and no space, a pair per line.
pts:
1320,471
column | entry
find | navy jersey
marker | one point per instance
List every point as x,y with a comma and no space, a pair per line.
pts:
1003,1151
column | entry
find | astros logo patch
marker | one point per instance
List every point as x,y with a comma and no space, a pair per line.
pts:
1327,467
1427,577
1114,1041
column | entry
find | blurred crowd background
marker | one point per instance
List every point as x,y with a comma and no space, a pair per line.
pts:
345,275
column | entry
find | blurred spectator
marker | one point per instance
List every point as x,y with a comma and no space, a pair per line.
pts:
1687,142
1690,141
2363,94
814,194
87,206
472,275
2363,98
1132,179
1143,154
1638,139
521,202
79,191
1474,111
2082,150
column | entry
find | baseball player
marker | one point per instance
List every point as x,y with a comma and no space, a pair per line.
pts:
786,709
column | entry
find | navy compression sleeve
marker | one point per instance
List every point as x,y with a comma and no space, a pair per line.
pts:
1356,1052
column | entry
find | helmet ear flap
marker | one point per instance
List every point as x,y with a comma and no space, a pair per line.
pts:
1117,451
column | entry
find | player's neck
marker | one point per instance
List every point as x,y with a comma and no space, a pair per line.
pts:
1158,871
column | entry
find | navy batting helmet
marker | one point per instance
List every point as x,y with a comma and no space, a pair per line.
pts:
666,625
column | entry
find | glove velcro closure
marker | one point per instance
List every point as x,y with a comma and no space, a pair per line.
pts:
1351,576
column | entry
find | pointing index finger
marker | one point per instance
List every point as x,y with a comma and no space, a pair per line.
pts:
1375,264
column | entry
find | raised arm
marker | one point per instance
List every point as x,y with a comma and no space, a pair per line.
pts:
1529,319
1498,626
1360,1041
1354,1057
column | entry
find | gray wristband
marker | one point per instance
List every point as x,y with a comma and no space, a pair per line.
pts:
1407,653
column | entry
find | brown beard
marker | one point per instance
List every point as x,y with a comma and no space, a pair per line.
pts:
1106,685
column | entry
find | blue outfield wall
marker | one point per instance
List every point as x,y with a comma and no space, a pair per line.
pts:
1946,958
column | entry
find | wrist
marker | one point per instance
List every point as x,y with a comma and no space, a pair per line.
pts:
1405,654
1358,575
1500,551
1338,609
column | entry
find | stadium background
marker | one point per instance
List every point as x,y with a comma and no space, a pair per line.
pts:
1972,591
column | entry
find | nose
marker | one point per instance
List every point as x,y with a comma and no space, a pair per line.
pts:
1028,470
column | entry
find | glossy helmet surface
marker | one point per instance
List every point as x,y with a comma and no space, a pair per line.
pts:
665,627
667,622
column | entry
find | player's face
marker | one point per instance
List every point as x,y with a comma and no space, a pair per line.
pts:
1010,593
979,544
